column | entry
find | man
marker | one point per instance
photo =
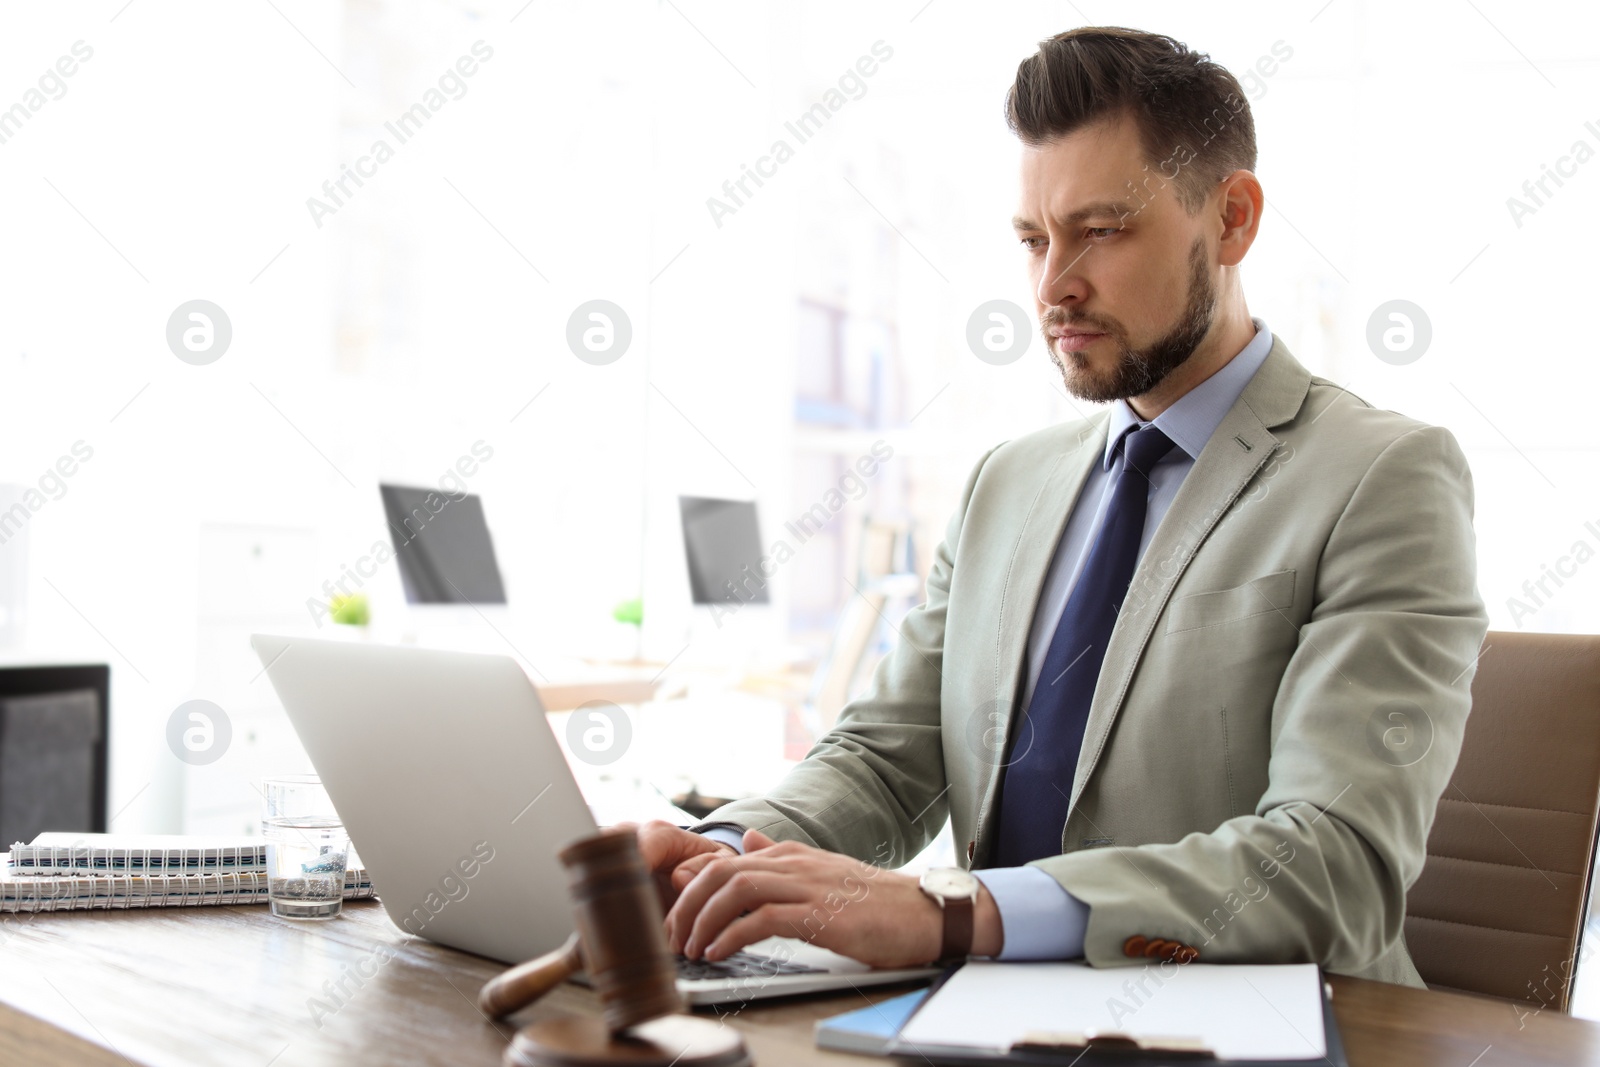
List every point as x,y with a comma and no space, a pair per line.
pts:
1193,672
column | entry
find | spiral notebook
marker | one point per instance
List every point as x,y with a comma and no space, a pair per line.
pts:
71,892
61,853
64,872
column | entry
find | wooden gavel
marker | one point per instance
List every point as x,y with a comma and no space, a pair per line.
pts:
620,939
622,943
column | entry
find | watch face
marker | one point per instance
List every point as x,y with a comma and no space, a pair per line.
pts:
950,883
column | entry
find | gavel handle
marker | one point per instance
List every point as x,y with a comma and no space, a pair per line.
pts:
527,982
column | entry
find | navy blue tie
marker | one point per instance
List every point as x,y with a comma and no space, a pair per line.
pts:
1043,749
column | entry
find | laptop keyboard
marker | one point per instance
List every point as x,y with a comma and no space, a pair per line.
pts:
740,965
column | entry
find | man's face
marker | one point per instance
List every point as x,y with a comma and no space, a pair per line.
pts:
1122,275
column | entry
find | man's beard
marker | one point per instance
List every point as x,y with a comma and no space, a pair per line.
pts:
1138,372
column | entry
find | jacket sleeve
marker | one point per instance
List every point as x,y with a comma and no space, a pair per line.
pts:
1366,730
873,787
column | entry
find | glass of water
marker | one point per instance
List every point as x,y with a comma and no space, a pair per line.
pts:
306,849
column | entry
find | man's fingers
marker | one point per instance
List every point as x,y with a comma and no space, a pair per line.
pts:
749,873
769,920
684,872
744,892
712,877
659,844
755,839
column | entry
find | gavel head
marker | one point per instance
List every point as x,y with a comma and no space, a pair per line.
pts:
620,928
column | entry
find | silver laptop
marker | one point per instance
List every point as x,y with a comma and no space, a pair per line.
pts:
457,797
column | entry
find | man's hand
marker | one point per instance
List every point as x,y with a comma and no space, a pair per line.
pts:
788,889
665,847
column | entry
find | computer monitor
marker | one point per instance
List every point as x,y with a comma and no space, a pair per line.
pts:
442,544
723,543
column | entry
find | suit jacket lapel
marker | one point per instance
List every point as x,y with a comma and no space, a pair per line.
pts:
1032,554
1238,449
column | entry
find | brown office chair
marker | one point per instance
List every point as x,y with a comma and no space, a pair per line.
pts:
1500,903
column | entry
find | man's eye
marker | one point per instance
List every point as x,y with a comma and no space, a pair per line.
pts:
1032,244
1100,233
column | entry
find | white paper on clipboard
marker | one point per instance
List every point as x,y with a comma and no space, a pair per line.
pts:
1241,1012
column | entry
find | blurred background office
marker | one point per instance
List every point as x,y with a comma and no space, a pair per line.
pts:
601,265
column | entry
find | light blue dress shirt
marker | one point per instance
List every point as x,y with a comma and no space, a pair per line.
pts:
1040,919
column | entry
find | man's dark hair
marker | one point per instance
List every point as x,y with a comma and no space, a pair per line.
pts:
1193,119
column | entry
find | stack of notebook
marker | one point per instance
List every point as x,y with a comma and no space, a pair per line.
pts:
61,872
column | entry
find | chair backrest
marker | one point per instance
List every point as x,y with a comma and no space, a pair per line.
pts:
50,745
1501,901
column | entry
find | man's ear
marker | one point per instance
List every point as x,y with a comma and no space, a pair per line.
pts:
1242,201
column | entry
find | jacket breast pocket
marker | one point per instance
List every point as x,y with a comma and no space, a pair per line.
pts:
1259,596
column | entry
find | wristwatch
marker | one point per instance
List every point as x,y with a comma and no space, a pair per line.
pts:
956,892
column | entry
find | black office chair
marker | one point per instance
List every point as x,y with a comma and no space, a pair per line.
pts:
52,751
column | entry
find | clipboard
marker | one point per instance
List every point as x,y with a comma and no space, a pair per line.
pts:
1107,1049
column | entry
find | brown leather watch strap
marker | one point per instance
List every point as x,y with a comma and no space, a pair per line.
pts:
957,929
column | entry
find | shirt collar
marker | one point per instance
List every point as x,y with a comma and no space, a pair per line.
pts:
1195,416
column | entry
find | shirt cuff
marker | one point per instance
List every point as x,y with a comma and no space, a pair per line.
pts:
729,835
1039,919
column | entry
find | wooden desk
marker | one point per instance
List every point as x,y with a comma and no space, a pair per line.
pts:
233,986
565,694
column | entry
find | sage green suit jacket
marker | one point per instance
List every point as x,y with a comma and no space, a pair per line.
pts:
1280,707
